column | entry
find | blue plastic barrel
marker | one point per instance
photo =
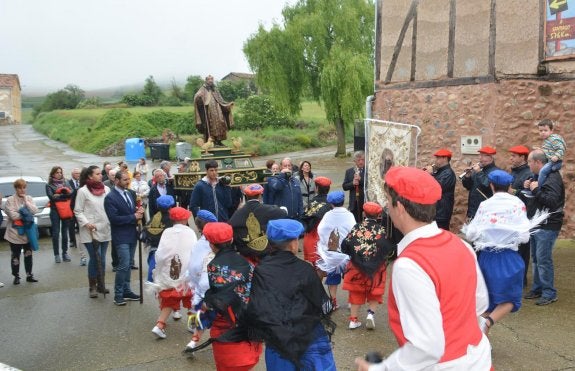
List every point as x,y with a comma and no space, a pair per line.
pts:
135,149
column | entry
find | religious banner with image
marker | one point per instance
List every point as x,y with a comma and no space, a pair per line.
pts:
387,144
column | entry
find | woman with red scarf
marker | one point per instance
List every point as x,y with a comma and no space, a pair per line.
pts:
57,191
94,226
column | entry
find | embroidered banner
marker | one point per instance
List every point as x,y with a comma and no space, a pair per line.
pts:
387,144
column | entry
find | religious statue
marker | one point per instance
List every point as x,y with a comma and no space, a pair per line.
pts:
213,115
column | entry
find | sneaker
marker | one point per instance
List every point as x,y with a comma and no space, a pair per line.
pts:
83,261
1,284
119,302
31,279
176,315
159,332
16,280
191,345
354,323
532,295
545,301
334,304
66,257
369,322
131,296
57,259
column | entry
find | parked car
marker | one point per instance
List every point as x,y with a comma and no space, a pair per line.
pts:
36,187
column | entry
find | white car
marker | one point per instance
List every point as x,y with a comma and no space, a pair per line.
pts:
36,187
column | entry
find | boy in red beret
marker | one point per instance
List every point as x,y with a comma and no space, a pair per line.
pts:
313,215
172,259
230,277
369,250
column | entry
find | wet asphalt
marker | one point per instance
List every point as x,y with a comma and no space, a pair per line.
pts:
54,325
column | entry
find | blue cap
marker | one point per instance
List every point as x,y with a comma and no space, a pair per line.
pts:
207,216
284,230
165,202
336,197
500,177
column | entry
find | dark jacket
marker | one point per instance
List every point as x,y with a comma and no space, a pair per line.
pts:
155,194
287,302
74,189
444,207
550,196
520,175
217,200
478,187
286,192
355,206
121,216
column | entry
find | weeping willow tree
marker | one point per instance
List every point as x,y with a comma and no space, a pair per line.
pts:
322,49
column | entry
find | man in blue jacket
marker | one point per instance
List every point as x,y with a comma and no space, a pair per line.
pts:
212,193
285,190
120,206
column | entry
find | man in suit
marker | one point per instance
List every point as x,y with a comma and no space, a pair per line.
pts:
353,182
120,206
161,187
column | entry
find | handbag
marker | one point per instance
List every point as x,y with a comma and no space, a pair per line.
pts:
63,207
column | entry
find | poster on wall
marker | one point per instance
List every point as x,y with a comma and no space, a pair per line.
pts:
560,29
387,144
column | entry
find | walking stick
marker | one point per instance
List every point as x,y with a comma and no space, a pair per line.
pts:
138,205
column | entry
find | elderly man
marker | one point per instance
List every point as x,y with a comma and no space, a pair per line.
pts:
521,172
213,115
161,187
550,196
353,182
286,190
476,182
442,172
435,329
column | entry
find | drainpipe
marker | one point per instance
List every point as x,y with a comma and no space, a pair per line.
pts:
368,102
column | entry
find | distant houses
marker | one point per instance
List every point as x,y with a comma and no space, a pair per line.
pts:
239,76
10,99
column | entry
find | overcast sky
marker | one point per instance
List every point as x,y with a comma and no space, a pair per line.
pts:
108,43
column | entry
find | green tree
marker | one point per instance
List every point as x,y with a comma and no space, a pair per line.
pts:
176,91
152,91
324,48
67,98
193,83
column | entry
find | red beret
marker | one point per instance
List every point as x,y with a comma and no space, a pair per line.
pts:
443,153
372,208
253,190
179,213
413,184
218,233
322,181
487,150
520,150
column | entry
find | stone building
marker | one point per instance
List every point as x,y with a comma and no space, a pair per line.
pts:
485,71
10,99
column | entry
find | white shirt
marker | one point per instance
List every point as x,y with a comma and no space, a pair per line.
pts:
198,269
500,223
422,323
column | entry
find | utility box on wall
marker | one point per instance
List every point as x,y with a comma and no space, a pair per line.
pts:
470,144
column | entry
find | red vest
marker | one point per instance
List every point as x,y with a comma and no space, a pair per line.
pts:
451,267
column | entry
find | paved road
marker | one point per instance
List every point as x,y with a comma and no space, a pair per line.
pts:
53,325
